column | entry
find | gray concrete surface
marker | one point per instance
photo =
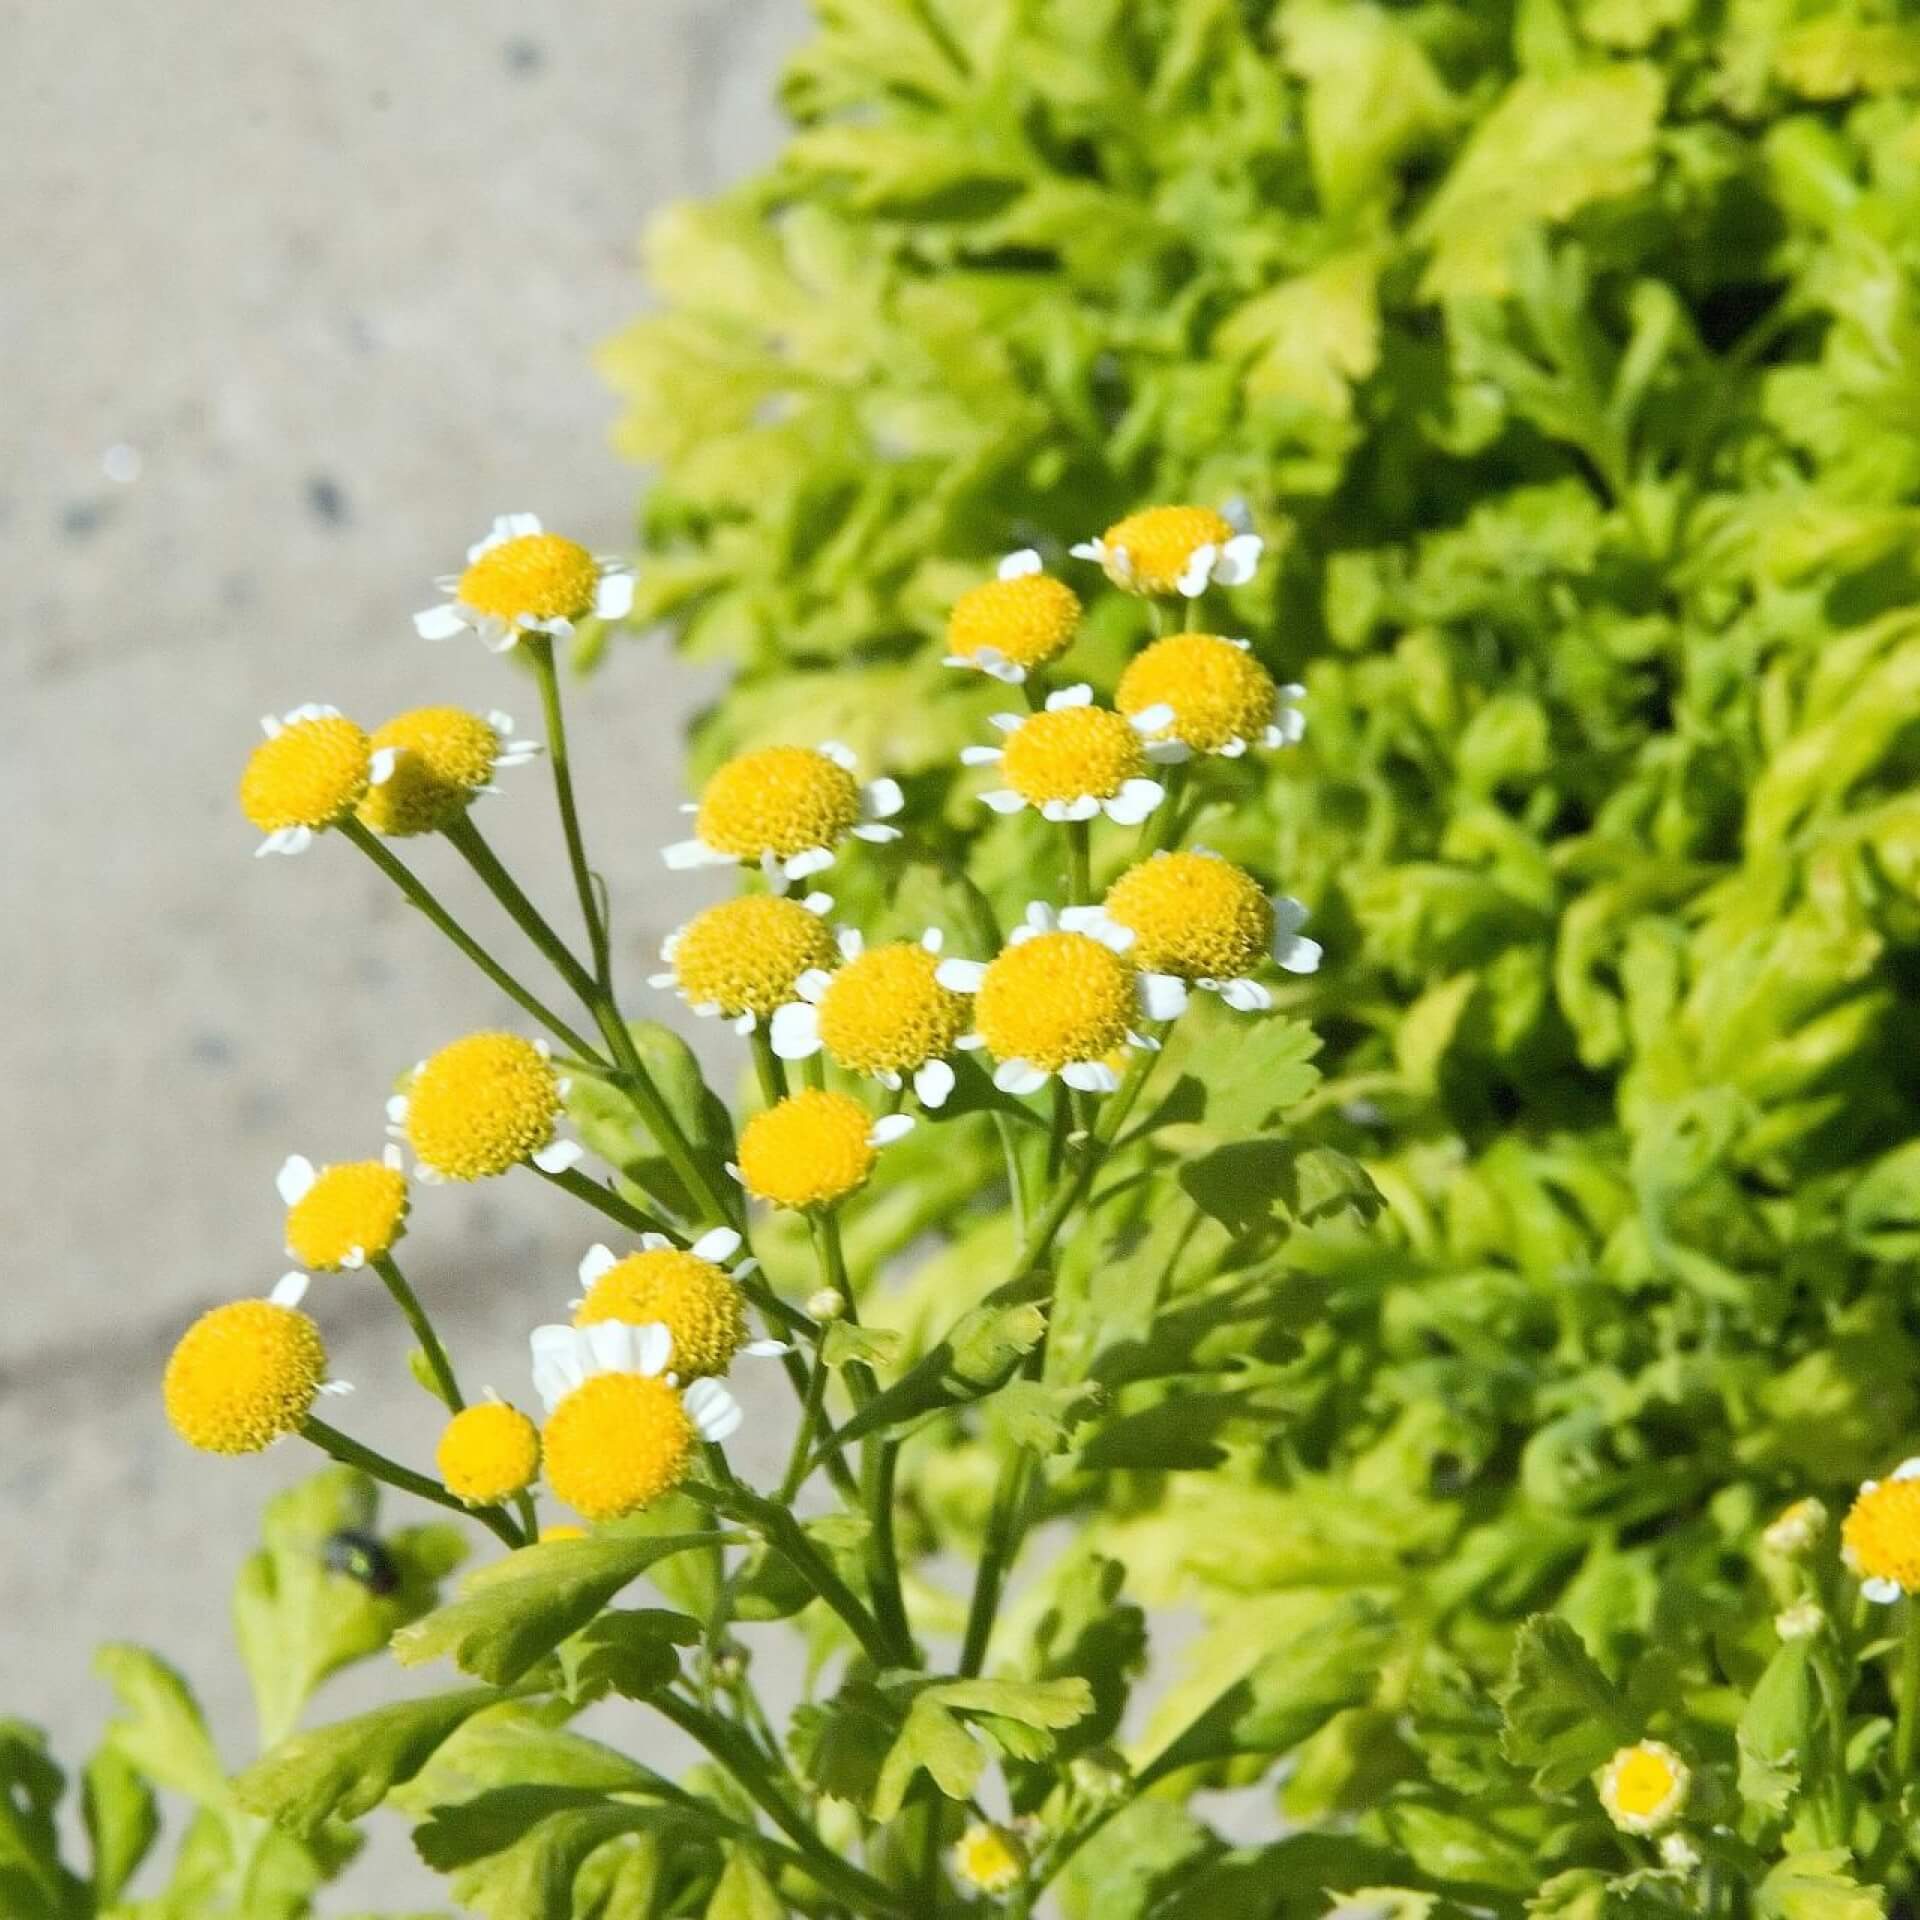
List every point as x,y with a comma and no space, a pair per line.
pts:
331,274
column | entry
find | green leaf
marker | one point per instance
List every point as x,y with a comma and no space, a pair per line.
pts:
1267,1068
518,1610
160,1730
744,1892
933,1739
122,1821
33,1881
1776,1728
345,1770
1817,1886
1562,1717
840,1746
611,1125
631,1653
514,1853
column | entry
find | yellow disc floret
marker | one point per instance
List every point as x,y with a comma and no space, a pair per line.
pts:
482,1105
352,1213
616,1443
884,1011
1881,1533
488,1453
443,756
1056,999
1071,752
745,955
697,1302
988,1858
1644,1786
808,1151
243,1376
1194,915
781,800
535,576
1219,693
1157,543
310,774
1028,620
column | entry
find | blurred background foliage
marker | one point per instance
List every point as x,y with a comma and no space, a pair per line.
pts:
1567,353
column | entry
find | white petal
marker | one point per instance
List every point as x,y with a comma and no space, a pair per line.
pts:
1089,920
852,944
842,755
1907,1470
397,1109
1299,954
1885,1592
271,725
1078,695
1018,1076
289,1290
767,1349
613,598
498,637
932,1082
796,1030
961,976
813,984
1135,800
979,756
558,1155
1233,749
817,903
556,1363
719,1245
594,1262
295,1177
1238,559
1090,1076
338,1388
683,855
1002,800
889,1128
996,665
742,1023
652,1348
354,1259
391,1155
1245,996
1162,997
1088,550
1006,722
1016,566
1168,752
501,723
970,1043
714,1411
380,766
654,1242
1194,576
884,798
439,623
808,861
872,831
1151,719
1083,807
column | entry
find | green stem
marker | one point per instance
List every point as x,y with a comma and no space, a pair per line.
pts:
1016,1181
1906,1739
768,1065
417,893
408,1302
811,1411
1161,829
1009,1501
1079,863
540,651
350,1453
471,845
603,1200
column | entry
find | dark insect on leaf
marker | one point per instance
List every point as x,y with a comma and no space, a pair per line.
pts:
362,1557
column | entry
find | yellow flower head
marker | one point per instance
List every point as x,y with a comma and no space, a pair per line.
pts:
1013,623
988,1858
812,1149
619,1433
1880,1537
1169,550
1644,1787
885,1013
744,958
1218,697
785,809
245,1374
307,775
488,1453
343,1216
481,1106
1060,999
616,1444
1193,914
434,760
1072,760
522,579
688,1292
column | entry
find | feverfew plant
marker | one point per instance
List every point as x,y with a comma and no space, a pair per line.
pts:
964,1735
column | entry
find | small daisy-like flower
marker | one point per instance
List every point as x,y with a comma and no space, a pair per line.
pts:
1644,1786
482,1105
1797,1529
689,1292
488,1453
1074,760
1203,920
885,1013
744,959
1013,623
307,775
619,1434
989,1858
437,760
343,1216
1679,1853
812,1149
1168,550
784,810
1217,697
1880,1537
522,579
1062,1000
246,1374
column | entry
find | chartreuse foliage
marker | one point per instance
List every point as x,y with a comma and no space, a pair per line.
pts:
324,1591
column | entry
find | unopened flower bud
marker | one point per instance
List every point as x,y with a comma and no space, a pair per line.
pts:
1100,1774
827,1305
1797,1530
1801,1622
